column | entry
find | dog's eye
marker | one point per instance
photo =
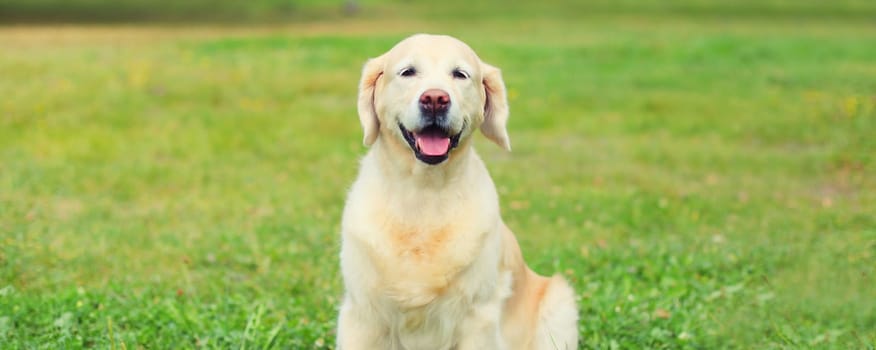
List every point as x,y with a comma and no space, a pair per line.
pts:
460,74
408,72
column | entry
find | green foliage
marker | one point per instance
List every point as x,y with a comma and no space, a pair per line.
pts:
703,182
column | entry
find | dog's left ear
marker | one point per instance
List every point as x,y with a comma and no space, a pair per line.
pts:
367,113
495,107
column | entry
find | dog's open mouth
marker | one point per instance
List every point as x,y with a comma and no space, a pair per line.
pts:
431,144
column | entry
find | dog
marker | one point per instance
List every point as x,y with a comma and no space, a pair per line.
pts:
426,260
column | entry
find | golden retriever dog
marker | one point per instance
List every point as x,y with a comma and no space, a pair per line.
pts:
427,261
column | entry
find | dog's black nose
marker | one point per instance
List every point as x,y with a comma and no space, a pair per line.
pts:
434,102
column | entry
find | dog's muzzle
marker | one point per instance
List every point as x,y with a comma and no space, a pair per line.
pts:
431,144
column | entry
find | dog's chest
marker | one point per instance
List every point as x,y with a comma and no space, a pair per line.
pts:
417,265
418,241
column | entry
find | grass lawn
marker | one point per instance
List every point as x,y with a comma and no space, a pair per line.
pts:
704,180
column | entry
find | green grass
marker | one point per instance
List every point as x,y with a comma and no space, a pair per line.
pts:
704,181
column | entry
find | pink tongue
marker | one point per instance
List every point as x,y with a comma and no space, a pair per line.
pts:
433,145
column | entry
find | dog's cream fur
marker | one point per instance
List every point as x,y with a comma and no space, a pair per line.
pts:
426,259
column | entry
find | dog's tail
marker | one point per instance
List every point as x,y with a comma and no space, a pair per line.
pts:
558,317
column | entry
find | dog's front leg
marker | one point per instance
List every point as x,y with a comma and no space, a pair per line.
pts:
355,332
481,328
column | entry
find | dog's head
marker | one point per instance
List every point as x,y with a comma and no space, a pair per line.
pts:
429,93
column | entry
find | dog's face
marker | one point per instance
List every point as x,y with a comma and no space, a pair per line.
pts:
428,94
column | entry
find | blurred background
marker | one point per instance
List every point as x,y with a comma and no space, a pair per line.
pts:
172,173
280,11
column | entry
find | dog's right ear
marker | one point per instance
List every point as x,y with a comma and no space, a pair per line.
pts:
367,113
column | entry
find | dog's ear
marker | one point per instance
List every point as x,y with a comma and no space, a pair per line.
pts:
372,71
495,107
